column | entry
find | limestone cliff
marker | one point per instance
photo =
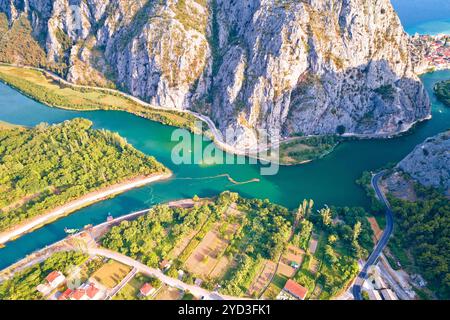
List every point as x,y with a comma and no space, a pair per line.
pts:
294,66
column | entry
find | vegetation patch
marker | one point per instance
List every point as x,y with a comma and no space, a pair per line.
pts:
422,237
304,149
47,166
23,285
36,85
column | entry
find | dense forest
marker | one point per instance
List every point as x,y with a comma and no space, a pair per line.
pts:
151,237
442,91
423,230
47,166
23,285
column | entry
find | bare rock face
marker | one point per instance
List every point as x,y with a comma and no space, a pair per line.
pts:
429,163
295,67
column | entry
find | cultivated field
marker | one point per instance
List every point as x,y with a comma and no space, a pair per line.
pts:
111,273
168,293
207,260
263,278
291,256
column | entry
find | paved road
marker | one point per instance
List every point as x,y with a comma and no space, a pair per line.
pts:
196,291
383,241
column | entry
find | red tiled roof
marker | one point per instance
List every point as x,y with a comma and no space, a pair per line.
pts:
65,295
146,289
92,291
52,276
295,289
78,294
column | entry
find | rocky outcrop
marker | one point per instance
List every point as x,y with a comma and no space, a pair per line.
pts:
294,67
429,163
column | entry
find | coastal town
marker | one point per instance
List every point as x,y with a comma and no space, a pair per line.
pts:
435,51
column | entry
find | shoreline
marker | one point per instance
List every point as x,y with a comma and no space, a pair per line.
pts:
74,205
217,137
41,254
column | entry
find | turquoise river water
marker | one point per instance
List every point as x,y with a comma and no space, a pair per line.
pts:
330,180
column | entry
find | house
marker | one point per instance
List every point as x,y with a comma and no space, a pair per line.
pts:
79,294
374,295
93,292
87,291
164,265
295,290
388,294
55,278
66,295
147,289
44,289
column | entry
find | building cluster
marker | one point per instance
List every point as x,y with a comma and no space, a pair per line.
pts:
379,289
437,55
56,280
87,291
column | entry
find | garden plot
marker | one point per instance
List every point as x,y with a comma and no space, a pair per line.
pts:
262,280
290,261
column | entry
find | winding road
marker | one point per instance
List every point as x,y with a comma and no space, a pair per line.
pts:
383,241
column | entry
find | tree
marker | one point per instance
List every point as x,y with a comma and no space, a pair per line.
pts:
330,256
325,213
332,238
356,230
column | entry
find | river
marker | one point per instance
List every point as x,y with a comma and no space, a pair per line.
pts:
330,180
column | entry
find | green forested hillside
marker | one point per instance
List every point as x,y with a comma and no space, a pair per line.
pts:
422,238
47,166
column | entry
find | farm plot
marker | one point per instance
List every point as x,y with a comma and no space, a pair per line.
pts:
207,254
168,293
290,261
208,259
313,242
263,278
111,273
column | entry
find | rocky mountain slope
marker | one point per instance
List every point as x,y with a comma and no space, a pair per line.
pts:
298,67
428,164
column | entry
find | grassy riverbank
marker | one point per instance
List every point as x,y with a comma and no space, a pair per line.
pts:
44,89
46,167
306,149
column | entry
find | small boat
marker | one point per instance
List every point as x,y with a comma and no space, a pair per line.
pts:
70,231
